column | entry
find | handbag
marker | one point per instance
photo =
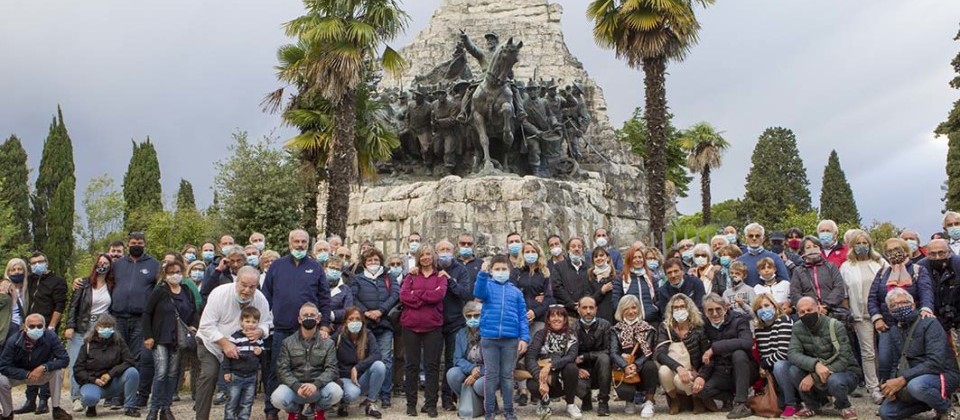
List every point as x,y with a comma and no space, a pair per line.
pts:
765,404
469,405
186,339
678,352
620,377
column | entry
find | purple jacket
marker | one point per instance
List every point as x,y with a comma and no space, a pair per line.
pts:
422,299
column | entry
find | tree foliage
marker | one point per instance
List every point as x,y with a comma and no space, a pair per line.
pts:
881,231
103,219
15,200
634,133
258,189
836,196
705,146
169,231
951,128
777,179
141,186
53,199
185,200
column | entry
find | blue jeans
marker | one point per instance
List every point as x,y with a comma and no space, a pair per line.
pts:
839,386
273,382
73,350
888,352
788,391
371,382
385,341
241,390
927,392
165,378
455,379
132,332
499,361
125,386
291,402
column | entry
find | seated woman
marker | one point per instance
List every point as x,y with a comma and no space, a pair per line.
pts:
552,360
105,368
679,352
361,370
773,329
632,335
467,362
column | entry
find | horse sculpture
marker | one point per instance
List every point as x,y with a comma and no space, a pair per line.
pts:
492,101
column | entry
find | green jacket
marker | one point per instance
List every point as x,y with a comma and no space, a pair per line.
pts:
307,361
807,348
6,315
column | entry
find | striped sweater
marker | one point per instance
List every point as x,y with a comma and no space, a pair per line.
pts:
774,341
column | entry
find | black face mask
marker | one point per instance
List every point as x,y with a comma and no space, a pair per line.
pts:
136,251
16,278
776,248
810,320
103,269
309,323
940,265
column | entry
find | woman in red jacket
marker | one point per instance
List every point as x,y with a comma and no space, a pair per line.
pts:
422,295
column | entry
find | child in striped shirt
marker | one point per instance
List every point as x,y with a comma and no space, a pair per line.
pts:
241,373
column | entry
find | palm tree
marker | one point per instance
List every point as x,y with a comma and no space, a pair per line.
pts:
705,146
649,33
330,65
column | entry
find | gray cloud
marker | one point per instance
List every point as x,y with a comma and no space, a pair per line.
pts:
867,81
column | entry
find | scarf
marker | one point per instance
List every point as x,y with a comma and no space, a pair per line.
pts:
601,274
631,334
899,276
556,344
473,349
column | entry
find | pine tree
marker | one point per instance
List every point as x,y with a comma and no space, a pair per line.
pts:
141,186
14,182
185,200
951,129
777,179
836,197
53,207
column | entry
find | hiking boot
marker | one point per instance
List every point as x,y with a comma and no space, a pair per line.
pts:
91,412
586,405
603,409
42,408
27,408
61,414
739,411
131,412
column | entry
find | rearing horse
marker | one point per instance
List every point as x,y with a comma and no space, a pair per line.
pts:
492,101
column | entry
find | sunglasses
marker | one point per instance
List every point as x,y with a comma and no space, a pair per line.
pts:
755,236
473,316
466,243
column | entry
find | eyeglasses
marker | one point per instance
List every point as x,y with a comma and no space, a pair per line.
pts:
938,254
701,255
679,307
395,265
477,316
35,327
714,310
466,243
755,236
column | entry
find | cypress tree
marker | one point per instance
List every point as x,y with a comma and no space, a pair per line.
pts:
777,179
185,200
53,207
836,197
14,182
141,186
951,129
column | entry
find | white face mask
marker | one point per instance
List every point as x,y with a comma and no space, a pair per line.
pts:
601,241
700,261
556,251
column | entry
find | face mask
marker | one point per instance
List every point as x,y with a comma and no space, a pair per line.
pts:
16,278
588,323
375,268
754,250
514,249
601,242
914,246
938,265
241,300
414,247
105,333
653,264
861,250
680,315
576,259
396,271
322,257
354,326
556,251
35,333
954,232
136,251
765,314
813,257
309,323
810,320
638,271
39,269
732,238
190,257
794,243
196,275
700,261
769,278
530,257
725,261
736,279
896,257
208,256
259,246
902,314
677,286
174,278
253,260
826,238
687,256
103,269
445,258
466,252
333,274
602,266
473,323
501,276
298,254
776,249
716,325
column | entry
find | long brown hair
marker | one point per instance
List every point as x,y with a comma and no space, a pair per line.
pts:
109,278
628,262
361,342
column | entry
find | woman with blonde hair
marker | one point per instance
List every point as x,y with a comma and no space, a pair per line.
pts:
653,260
533,279
773,329
421,320
11,309
633,337
858,272
682,342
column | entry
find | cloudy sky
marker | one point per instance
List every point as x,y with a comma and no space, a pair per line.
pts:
868,79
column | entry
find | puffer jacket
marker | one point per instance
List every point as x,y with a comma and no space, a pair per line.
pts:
16,362
696,343
921,289
101,356
929,352
382,293
734,334
307,361
339,304
809,347
504,312
832,288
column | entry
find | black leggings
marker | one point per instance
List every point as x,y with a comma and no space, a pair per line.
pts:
649,381
565,384
428,345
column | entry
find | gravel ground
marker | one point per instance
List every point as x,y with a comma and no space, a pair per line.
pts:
184,410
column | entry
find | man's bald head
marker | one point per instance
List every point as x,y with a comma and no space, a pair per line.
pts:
807,305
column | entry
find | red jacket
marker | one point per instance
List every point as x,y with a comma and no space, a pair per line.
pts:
422,299
837,256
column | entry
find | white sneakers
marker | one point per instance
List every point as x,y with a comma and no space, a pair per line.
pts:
574,412
78,406
648,409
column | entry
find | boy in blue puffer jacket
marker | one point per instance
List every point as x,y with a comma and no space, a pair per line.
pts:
504,332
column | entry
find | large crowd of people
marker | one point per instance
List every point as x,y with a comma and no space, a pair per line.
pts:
818,316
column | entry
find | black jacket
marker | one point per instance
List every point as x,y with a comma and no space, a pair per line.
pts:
929,352
533,285
16,361
570,284
946,291
459,292
135,279
101,356
617,349
347,353
593,341
216,278
80,305
734,334
47,294
696,343
159,318
557,361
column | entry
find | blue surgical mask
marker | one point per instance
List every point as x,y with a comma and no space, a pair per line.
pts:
638,271
298,254
514,248
687,255
333,274
473,323
466,252
914,246
105,333
241,301
354,326
861,250
766,314
677,286
576,259
445,258
322,257
253,260
196,275
732,238
396,271
718,325
190,257
754,250
530,257
954,232
39,268
653,264
725,261
588,323
501,276
826,238
414,247
35,333
208,256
